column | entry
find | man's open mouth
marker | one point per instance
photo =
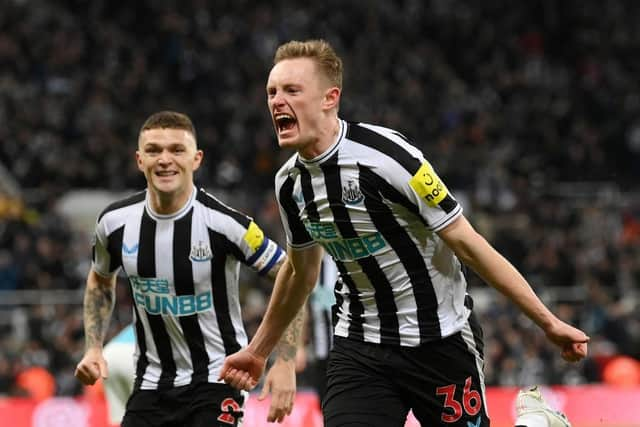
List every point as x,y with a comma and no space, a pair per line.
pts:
284,121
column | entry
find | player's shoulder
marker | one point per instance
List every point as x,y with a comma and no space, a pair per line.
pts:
390,143
122,204
215,207
363,132
286,170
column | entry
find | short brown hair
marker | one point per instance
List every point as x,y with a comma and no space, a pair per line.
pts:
319,51
169,120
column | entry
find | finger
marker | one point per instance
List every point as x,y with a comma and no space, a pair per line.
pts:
574,352
239,380
281,405
230,376
570,355
249,382
104,370
581,349
224,370
246,382
94,370
84,374
79,375
230,379
275,414
290,399
275,409
265,391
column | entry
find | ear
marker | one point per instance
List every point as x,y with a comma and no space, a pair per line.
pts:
139,161
197,161
331,98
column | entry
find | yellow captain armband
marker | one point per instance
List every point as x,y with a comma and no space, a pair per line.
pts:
254,236
428,185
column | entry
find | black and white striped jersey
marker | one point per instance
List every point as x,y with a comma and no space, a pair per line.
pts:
321,302
375,204
183,270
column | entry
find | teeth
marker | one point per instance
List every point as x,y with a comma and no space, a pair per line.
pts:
283,116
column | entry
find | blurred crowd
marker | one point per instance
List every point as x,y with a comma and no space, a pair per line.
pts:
529,111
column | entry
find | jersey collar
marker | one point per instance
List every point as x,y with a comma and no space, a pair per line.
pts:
332,149
179,214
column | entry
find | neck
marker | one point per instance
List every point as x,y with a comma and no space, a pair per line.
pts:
167,204
327,135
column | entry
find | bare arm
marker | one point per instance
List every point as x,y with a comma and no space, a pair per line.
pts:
294,283
99,299
243,369
472,249
280,382
288,345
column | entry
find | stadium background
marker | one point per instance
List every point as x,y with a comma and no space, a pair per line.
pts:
529,111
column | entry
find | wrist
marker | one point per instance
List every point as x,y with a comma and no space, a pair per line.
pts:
255,353
549,324
94,348
284,361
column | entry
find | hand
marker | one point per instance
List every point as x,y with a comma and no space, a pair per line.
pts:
242,370
281,382
572,341
91,367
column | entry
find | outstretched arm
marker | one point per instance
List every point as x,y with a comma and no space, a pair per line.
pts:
281,378
291,340
99,299
472,249
294,283
280,381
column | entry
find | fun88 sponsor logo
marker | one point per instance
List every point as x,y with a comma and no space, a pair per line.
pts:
345,249
153,294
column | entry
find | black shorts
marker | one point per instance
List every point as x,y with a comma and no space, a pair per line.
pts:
376,385
194,405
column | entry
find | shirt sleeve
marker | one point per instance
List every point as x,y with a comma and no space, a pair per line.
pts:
405,167
262,253
435,202
103,260
290,199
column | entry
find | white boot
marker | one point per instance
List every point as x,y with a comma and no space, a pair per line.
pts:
533,411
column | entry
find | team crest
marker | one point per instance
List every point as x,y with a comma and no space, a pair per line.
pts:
200,252
351,194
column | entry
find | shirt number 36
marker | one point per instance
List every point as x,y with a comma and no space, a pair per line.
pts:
454,409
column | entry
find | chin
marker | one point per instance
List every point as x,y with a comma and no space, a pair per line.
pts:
289,142
166,189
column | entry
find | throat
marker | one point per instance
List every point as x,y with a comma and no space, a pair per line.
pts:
169,203
320,145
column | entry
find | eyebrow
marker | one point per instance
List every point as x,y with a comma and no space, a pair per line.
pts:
284,86
152,144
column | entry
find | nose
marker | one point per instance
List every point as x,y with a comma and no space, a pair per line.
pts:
277,99
165,157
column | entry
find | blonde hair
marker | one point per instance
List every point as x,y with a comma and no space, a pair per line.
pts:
320,51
